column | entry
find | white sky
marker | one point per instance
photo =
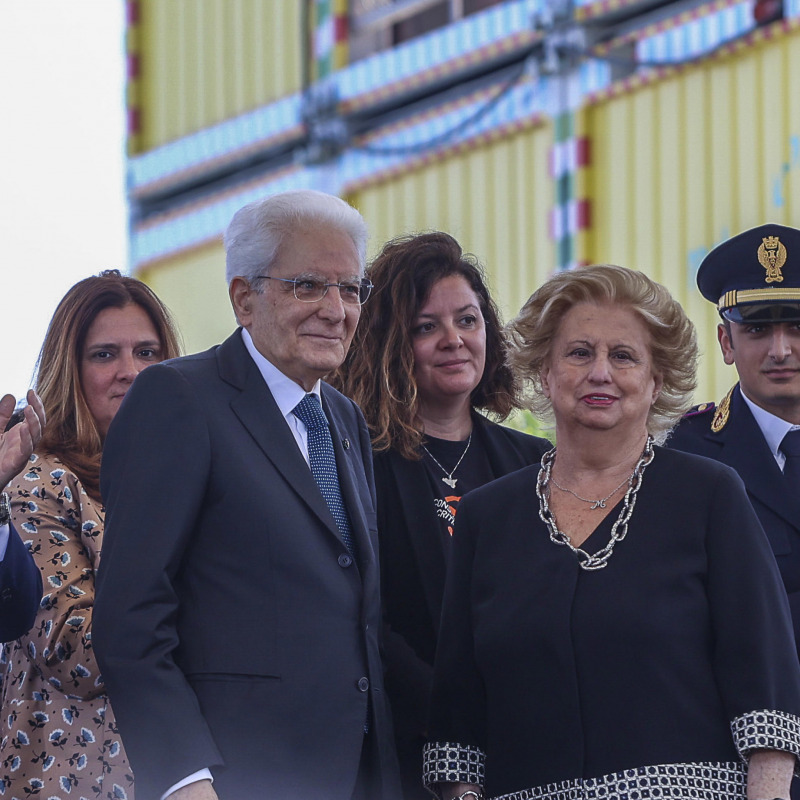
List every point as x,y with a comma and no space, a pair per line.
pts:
62,204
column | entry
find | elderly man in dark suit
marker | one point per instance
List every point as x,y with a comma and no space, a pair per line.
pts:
237,611
754,281
20,579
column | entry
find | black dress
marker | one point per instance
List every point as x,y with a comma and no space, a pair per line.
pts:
649,678
413,555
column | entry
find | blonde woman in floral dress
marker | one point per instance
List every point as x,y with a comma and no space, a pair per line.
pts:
59,737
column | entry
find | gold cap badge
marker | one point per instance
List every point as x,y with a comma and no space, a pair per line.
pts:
772,256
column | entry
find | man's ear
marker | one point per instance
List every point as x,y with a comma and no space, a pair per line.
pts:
725,343
242,293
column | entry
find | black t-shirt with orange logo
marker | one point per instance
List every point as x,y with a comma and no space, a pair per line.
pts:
473,471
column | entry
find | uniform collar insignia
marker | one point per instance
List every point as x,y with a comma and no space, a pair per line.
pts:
723,412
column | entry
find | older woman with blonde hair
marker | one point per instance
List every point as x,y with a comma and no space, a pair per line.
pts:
59,735
613,622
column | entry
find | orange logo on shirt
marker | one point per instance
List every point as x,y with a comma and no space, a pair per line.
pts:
446,510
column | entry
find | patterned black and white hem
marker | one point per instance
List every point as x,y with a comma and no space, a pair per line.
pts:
700,781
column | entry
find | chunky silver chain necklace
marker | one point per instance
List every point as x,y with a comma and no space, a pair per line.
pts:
593,504
450,480
620,528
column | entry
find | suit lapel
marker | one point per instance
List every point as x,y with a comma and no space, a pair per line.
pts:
745,449
259,414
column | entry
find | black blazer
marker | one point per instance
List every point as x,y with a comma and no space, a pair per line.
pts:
413,562
233,628
741,445
20,589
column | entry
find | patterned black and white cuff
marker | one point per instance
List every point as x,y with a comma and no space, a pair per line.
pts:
767,730
448,762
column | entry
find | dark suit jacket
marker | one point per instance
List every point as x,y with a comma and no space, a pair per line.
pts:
741,445
233,628
20,589
413,570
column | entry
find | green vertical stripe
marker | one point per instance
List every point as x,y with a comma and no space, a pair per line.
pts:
564,250
565,188
324,11
564,127
564,131
325,65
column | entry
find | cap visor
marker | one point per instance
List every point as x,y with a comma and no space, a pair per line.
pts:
762,312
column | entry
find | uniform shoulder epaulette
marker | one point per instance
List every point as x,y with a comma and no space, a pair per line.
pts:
721,413
698,410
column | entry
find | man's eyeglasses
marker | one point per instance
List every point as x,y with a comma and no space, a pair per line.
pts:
309,290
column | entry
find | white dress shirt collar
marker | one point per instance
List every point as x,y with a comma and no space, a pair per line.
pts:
284,390
772,427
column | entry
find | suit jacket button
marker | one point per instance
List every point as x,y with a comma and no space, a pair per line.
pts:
345,560
363,684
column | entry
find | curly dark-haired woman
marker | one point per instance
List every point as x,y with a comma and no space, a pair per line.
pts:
429,355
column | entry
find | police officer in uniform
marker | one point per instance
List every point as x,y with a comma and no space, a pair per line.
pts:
754,281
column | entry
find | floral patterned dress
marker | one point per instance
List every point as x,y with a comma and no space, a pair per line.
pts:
59,736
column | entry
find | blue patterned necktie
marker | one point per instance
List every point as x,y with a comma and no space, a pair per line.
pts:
790,446
323,462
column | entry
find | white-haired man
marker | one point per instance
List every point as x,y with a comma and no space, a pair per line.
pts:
237,614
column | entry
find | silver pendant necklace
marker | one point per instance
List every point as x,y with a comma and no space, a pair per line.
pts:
450,480
593,504
618,531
